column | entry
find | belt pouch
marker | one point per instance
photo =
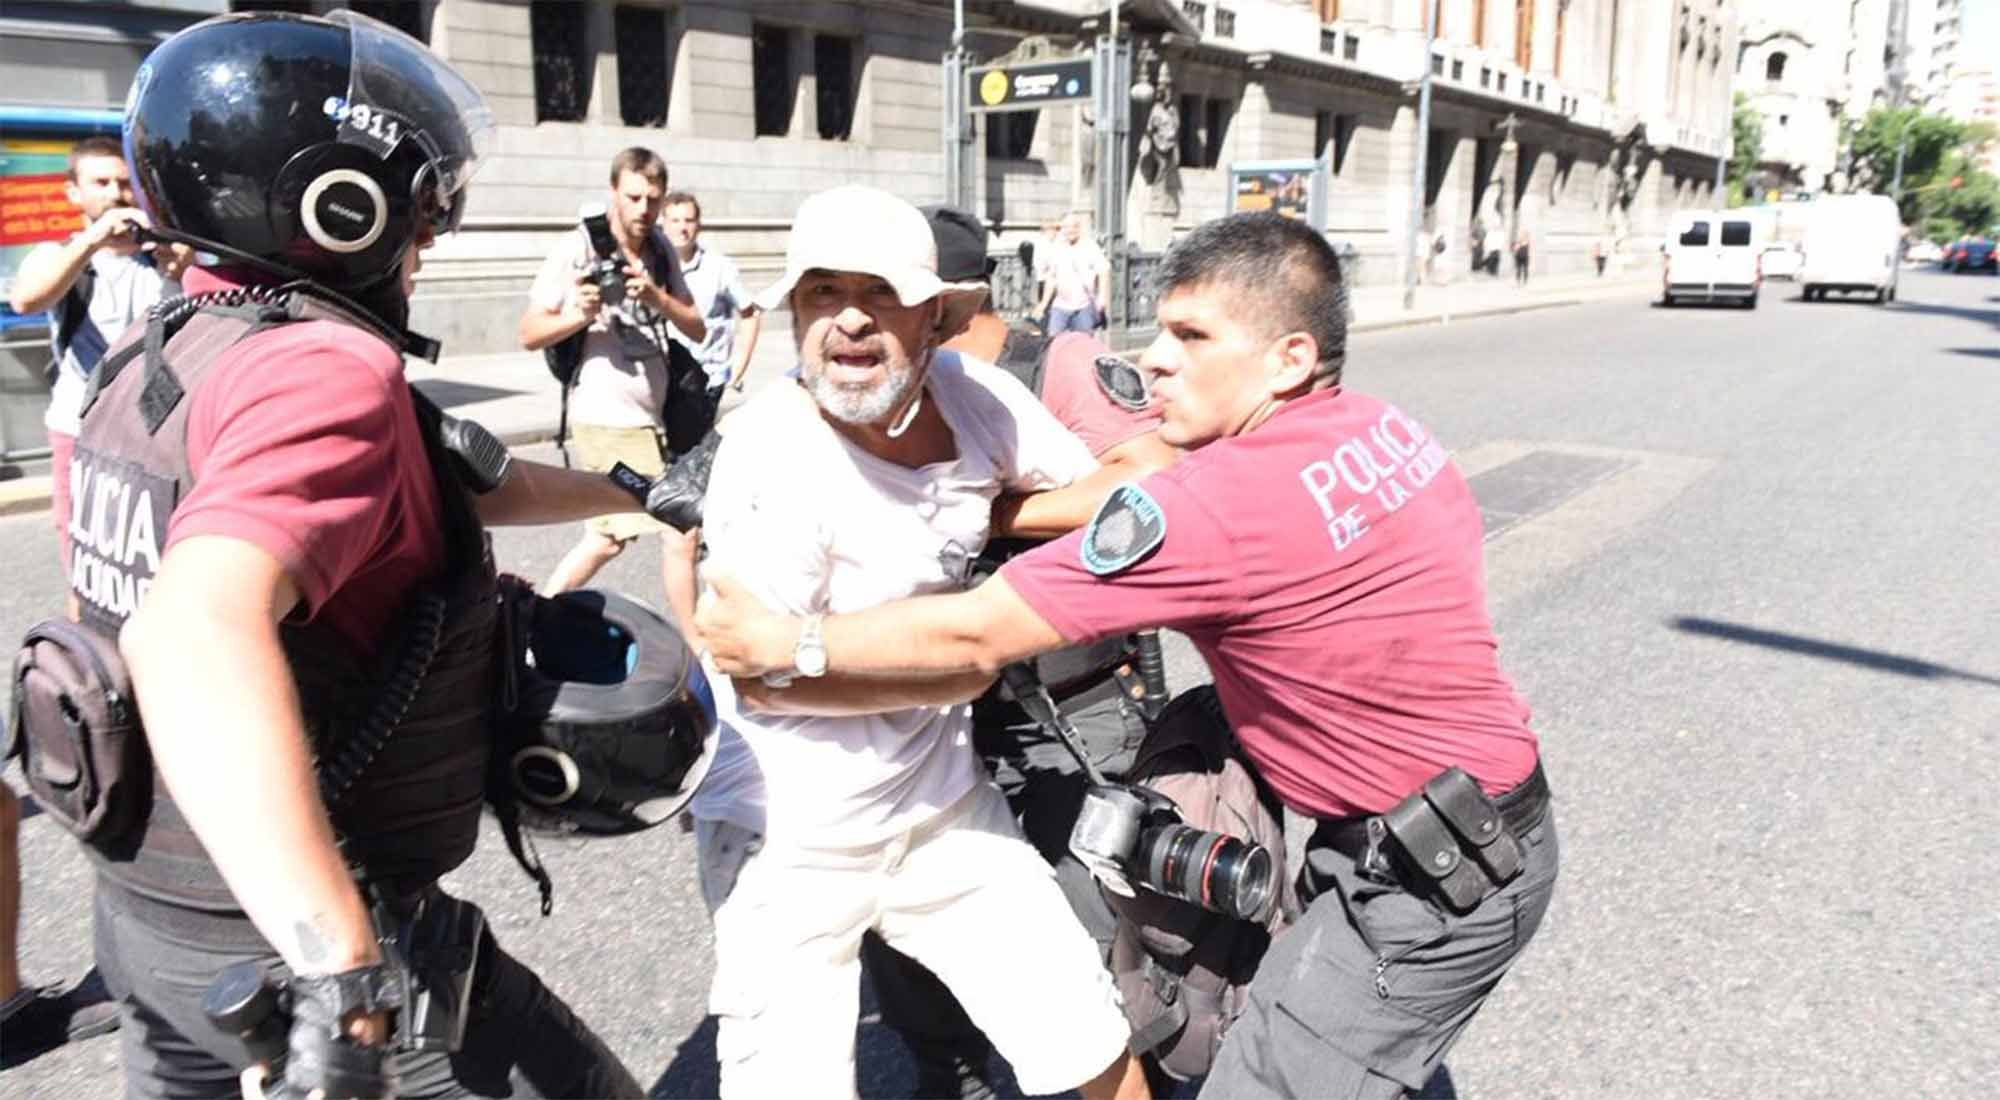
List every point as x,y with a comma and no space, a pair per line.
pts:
1433,852
1477,821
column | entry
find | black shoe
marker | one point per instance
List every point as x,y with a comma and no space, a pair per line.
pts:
39,1019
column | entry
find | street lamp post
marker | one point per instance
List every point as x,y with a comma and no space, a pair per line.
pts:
1411,264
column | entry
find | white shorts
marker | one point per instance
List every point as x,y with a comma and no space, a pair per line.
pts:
963,894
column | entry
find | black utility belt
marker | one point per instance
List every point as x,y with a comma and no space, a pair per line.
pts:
1448,840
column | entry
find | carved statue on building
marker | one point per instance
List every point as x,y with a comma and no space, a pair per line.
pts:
1160,150
1627,166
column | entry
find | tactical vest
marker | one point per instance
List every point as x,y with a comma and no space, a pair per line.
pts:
400,737
1066,672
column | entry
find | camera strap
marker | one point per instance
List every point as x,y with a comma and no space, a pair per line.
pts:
1033,696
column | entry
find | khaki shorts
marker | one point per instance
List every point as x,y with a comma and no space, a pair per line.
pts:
788,927
644,449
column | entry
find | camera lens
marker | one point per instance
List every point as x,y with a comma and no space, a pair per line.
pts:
1213,870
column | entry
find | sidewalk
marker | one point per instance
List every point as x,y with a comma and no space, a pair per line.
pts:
515,397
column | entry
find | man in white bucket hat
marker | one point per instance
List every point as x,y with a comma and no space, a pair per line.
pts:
838,806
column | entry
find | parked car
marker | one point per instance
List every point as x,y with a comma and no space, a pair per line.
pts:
1924,252
1851,246
1972,254
1712,256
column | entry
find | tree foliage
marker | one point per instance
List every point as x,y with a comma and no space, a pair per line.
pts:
1746,147
1944,190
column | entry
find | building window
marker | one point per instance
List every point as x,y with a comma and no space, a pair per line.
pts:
1524,33
1784,121
1485,77
1010,135
643,77
1215,126
562,61
774,83
1437,64
1774,66
1191,131
1329,40
1457,69
833,85
404,15
1351,48
1225,23
1332,134
1501,86
1197,13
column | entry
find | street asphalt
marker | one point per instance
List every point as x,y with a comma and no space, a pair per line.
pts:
1736,564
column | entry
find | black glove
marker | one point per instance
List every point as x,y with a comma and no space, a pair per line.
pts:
676,498
319,1055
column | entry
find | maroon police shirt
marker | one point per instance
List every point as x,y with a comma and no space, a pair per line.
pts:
1328,566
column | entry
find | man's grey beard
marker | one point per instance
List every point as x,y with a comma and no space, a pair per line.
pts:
864,406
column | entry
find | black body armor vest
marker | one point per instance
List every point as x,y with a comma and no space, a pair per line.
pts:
400,736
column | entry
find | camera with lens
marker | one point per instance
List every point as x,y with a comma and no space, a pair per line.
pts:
606,265
1128,834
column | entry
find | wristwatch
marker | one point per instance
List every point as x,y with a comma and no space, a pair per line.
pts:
808,656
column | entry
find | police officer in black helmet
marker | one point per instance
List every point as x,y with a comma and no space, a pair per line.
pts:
293,564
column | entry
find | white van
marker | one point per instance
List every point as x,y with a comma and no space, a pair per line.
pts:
1713,256
1852,245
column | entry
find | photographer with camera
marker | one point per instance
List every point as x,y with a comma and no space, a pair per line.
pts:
615,286
1324,555
286,689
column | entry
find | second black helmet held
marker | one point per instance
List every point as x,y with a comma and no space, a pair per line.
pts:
319,145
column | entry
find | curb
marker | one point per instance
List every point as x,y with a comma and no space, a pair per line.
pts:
22,496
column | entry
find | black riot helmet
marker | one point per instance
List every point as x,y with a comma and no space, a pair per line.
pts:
310,146
614,726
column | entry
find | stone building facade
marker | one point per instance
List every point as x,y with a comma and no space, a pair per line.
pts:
1568,119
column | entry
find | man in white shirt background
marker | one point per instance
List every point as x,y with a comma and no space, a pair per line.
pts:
1076,280
619,396
837,806
720,297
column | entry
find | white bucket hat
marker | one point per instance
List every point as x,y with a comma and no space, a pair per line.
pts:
868,230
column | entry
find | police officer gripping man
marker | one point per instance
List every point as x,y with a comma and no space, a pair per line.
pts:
1324,555
287,544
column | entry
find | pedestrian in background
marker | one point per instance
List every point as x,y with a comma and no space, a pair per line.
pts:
724,303
1599,252
1077,280
1521,258
623,381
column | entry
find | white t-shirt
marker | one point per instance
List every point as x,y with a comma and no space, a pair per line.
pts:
621,381
125,288
720,297
1074,269
810,523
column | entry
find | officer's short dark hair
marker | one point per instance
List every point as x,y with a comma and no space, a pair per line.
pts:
99,145
1280,269
642,160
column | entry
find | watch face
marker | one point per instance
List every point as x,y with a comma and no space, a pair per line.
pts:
810,659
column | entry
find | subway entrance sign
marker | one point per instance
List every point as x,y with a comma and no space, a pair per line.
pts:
1028,86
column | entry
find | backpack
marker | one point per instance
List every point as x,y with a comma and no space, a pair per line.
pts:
689,412
76,310
1184,972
